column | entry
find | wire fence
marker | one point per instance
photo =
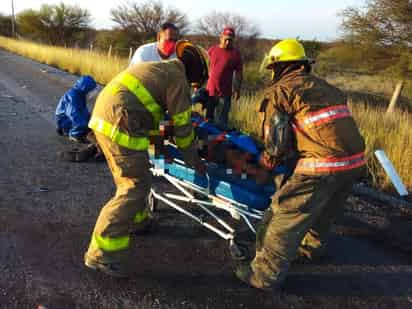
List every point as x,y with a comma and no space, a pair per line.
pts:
112,51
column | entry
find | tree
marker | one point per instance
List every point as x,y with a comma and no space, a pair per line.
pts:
380,22
312,48
212,24
30,26
5,25
118,39
143,20
57,24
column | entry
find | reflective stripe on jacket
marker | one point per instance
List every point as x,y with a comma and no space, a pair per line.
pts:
330,165
324,115
112,132
181,120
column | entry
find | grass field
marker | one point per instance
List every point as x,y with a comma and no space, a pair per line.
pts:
75,61
392,133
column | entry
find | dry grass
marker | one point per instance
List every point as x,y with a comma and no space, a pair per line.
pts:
244,114
376,84
374,89
391,133
75,61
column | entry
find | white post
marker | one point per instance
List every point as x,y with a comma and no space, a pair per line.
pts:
109,53
395,97
391,172
13,21
130,53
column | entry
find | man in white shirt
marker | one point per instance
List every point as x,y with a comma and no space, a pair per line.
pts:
162,49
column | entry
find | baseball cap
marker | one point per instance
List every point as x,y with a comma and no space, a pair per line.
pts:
228,32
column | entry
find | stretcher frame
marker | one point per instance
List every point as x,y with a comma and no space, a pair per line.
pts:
188,192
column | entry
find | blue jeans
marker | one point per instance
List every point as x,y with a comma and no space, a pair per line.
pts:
223,116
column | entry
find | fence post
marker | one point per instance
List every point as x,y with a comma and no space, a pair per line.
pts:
395,97
91,48
109,53
130,53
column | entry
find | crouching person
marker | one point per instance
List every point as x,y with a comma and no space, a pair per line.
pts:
72,114
329,160
126,115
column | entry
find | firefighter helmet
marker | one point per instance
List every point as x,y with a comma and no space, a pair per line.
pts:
195,59
285,51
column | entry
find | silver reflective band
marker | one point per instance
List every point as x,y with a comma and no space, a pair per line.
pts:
330,164
325,115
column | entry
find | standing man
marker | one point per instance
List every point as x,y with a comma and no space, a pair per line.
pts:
162,49
225,76
127,113
330,159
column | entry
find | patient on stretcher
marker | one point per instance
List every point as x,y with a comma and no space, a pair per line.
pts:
232,151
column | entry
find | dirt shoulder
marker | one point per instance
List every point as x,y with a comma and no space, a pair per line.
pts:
48,209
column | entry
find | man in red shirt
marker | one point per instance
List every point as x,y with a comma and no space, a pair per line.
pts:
225,74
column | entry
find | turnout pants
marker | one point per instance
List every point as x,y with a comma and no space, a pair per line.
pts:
298,222
128,207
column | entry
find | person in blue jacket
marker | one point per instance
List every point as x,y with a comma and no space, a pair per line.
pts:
72,114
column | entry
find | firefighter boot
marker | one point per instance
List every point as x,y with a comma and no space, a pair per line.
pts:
245,273
112,269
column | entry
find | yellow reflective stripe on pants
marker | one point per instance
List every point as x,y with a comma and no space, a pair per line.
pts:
120,138
144,96
141,216
110,244
184,142
182,118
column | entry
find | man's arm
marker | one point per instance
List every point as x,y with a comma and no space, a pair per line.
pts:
180,109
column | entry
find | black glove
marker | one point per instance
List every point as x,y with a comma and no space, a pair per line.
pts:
267,161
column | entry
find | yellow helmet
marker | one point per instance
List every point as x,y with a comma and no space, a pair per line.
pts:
195,59
284,51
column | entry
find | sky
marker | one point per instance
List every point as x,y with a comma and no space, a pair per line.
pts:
306,19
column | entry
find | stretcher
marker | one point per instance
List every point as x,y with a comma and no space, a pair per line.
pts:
217,194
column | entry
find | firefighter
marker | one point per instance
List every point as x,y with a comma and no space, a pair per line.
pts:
127,113
329,159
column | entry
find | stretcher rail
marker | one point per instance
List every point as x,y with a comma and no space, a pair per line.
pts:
211,204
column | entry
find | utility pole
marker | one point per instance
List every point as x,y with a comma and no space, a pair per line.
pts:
13,28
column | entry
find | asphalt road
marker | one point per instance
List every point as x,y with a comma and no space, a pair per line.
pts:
48,209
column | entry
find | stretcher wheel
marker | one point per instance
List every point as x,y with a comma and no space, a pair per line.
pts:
152,202
238,252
